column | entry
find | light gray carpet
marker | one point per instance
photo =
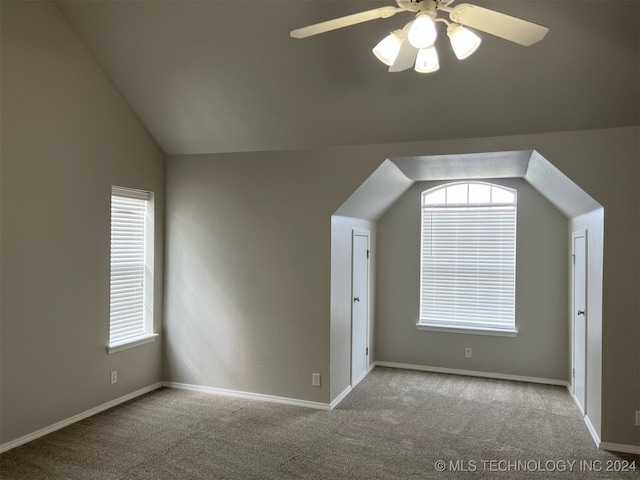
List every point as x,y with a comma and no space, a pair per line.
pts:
397,424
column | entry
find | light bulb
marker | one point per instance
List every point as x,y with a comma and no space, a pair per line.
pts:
422,33
388,48
427,60
464,42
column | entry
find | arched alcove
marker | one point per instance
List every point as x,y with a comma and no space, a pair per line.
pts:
395,177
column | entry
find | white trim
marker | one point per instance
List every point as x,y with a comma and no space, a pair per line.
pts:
592,430
340,397
618,447
575,399
454,234
360,378
131,278
467,330
474,373
131,342
364,374
615,447
248,395
349,388
76,418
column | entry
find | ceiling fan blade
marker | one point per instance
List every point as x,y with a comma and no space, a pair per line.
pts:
406,57
382,12
498,24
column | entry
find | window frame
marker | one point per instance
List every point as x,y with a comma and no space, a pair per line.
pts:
441,205
144,301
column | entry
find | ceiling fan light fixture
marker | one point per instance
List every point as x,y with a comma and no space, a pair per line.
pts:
422,33
463,41
427,60
388,48
414,44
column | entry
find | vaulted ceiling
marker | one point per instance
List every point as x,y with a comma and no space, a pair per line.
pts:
220,76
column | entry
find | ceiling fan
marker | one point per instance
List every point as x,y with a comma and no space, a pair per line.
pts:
413,45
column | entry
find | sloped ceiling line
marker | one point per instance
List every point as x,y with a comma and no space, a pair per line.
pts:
201,84
394,177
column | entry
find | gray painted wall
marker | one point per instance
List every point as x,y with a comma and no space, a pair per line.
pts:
541,347
67,136
248,269
213,253
249,309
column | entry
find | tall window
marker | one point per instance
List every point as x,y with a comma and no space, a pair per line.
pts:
131,299
468,258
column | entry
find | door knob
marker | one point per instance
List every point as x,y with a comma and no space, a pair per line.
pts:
581,312
356,299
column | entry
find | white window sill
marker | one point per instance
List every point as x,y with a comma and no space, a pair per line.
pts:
130,343
467,330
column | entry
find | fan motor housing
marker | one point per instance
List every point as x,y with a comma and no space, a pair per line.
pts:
427,6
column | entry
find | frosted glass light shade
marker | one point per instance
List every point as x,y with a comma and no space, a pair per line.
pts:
422,33
464,42
388,48
427,60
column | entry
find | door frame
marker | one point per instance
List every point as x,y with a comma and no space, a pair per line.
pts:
574,236
360,233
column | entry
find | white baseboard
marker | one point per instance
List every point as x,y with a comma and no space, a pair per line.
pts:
105,406
76,418
347,390
474,373
617,447
248,395
575,400
614,447
592,430
362,377
305,403
340,397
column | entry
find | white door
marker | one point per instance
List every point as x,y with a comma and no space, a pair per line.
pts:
580,318
360,307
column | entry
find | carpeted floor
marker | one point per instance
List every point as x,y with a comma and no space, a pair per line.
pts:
396,424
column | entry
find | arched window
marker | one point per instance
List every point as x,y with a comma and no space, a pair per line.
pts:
467,278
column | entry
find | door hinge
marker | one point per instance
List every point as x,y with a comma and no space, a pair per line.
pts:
573,372
368,252
573,259
367,350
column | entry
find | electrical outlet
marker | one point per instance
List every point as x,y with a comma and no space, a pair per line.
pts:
114,377
467,352
315,379
637,418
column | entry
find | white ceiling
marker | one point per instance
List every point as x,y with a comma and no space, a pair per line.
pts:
220,76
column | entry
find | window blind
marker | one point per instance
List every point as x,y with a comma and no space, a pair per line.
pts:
468,267
131,289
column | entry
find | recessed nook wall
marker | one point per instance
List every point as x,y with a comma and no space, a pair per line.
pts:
540,348
550,207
